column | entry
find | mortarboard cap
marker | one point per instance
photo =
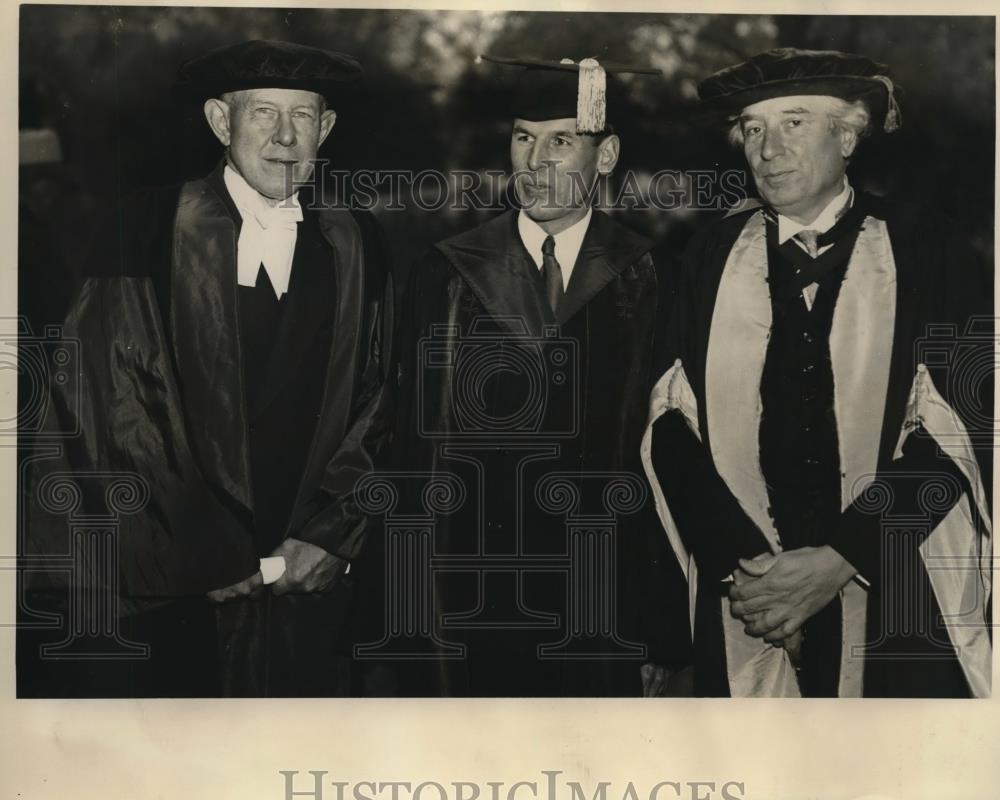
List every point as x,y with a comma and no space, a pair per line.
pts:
564,89
261,64
791,71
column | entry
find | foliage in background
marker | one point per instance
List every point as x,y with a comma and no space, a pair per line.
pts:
102,77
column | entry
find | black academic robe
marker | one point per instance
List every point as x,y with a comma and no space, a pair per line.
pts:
161,436
911,335
535,419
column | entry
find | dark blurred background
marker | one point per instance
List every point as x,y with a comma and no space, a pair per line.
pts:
100,78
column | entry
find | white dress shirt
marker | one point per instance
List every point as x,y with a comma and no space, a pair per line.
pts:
568,242
267,235
827,218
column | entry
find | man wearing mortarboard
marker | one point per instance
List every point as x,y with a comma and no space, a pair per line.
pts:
536,382
819,451
234,338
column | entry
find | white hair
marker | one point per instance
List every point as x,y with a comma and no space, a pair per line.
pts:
853,117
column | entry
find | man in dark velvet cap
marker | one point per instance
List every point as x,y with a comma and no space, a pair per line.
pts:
540,385
235,337
821,469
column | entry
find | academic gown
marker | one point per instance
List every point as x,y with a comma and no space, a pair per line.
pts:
168,395
911,332
537,418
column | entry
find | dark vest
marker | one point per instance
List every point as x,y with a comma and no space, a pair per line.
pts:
799,449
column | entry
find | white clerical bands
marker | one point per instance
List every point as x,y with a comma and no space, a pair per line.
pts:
267,235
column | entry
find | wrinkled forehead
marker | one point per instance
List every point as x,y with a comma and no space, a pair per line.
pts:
283,98
789,104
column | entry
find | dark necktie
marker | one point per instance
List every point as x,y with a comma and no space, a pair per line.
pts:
809,238
552,274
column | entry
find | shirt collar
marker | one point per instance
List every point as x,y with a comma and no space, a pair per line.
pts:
787,228
568,242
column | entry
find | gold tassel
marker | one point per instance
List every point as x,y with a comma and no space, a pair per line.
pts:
591,99
893,116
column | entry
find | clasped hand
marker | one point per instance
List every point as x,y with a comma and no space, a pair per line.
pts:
773,595
308,568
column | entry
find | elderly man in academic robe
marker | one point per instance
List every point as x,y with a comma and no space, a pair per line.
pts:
525,371
820,448
234,336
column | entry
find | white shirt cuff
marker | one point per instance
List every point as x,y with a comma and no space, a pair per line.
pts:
272,568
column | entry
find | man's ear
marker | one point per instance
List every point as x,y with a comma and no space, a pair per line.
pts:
326,122
607,154
848,141
217,113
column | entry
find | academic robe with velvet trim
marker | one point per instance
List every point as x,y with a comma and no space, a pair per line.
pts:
909,351
524,408
164,398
